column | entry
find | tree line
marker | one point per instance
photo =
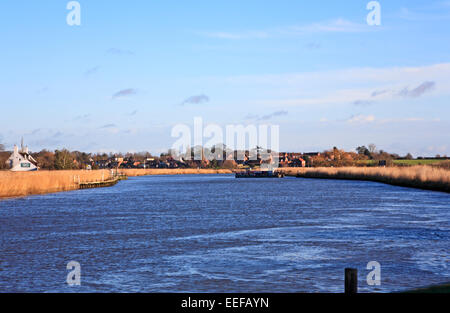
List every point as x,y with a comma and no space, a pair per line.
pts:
68,160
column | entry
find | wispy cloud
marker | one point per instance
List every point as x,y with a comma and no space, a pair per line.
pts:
392,93
338,25
361,119
272,115
377,93
363,102
42,90
432,13
327,88
251,116
237,35
117,51
198,99
83,117
267,116
91,71
109,126
419,90
313,46
124,93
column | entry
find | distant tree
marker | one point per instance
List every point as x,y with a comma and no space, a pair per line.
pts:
230,164
3,157
409,156
63,160
362,150
372,148
45,159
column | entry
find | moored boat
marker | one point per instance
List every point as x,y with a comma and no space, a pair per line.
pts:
259,174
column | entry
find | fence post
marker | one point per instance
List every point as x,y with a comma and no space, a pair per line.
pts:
351,280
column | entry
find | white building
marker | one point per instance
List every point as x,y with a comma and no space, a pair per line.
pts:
21,161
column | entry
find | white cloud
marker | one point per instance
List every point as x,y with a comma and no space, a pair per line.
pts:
361,119
338,25
331,87
334,26
421,15
237,35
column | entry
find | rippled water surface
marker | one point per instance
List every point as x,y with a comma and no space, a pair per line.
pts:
215,233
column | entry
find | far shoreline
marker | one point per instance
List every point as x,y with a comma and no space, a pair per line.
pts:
23,184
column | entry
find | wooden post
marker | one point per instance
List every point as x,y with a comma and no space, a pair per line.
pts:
351,280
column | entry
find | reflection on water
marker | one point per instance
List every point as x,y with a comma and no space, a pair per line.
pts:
214,233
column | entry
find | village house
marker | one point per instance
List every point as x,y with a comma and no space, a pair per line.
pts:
291,160
21,161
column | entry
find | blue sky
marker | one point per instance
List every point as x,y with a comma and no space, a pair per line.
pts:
132,70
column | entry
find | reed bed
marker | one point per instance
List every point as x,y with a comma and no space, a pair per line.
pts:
423,177
18,184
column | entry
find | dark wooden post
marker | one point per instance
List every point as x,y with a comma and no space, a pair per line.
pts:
351,280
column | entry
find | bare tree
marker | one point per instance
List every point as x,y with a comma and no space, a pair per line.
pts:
2,147
372,148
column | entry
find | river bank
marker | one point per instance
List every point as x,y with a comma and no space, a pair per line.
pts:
20,184
422,177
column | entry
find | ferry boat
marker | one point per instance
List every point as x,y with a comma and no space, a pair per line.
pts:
259,174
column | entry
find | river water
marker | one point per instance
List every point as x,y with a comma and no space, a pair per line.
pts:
215,233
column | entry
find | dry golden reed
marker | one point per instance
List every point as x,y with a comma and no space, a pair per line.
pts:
424,177
17,184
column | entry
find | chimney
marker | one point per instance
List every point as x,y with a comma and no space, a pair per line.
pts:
16,149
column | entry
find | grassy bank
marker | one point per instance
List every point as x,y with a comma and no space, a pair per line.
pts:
423,177
16,184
